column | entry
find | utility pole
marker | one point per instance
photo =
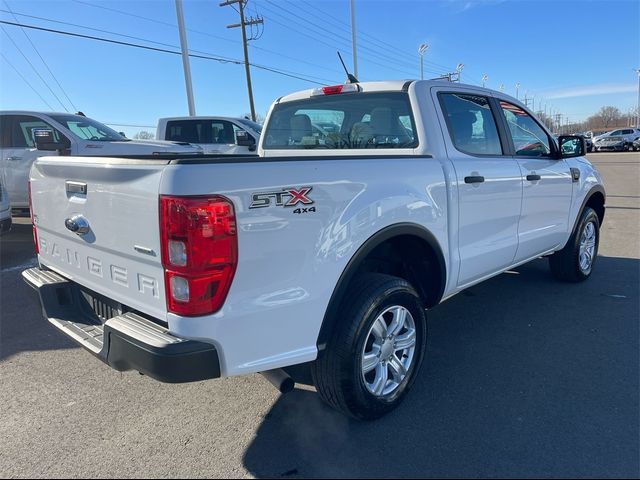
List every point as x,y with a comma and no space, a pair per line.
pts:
243,23
353,38
517,88
185,58
638,105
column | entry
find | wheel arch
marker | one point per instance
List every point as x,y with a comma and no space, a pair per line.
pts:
425,251
595,199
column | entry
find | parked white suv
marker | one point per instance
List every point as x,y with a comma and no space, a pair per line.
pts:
327,247
620,140
216,135
75,134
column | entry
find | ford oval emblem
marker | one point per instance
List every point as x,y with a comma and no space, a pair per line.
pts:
77,224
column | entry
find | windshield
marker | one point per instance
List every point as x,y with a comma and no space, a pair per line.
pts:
88,129
256,127
350,120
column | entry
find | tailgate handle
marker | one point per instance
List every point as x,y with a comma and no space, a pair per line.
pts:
77,224
76,187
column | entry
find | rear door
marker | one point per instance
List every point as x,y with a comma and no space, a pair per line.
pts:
119,256
215,136
19,153
489,185
548,186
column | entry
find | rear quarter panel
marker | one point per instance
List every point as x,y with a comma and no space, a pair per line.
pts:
290,263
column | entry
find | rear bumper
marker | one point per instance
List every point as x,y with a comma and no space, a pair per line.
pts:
126,340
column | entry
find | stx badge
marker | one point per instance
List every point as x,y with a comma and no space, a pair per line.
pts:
287,197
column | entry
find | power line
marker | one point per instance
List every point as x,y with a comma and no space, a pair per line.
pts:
381,44
33,67
332,46
153,20
26,81
40,56
164,50
346,42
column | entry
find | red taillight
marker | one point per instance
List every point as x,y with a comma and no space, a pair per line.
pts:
332,90
33,224
199,252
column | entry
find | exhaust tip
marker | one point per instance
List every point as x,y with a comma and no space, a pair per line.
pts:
279,379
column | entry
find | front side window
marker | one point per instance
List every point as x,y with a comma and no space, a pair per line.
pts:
471,124
343,121
88,129
256,127
529,139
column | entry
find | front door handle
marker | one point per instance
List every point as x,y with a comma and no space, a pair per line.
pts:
533,177
474,179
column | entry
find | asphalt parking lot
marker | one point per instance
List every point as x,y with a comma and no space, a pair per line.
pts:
524,377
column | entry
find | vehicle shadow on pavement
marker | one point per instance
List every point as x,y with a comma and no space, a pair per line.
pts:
524,376
22,327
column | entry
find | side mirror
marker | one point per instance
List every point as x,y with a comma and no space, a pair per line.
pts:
243,139
571,146
46,141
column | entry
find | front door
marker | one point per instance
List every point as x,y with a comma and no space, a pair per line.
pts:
548,186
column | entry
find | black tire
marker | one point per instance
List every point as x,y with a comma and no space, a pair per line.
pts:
565,264
625,147
337,373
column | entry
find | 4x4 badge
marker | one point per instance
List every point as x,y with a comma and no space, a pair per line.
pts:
287,197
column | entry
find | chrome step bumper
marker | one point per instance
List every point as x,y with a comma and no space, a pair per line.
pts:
125,341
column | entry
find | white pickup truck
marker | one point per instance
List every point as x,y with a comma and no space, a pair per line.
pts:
216,135
73,135
327,247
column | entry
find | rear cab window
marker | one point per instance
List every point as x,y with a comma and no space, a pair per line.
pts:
358,120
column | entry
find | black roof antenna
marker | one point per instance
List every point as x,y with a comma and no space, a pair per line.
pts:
350,77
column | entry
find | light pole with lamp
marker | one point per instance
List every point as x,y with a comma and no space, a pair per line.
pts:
459,68
422,49
485,77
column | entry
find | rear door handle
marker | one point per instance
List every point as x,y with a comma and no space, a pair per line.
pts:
533,177
474,179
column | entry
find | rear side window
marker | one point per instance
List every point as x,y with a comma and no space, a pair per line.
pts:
201,131
471,124
343,121
17,130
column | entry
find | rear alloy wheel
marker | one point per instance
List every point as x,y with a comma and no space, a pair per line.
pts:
375,351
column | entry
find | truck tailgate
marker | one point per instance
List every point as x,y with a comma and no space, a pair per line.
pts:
119,255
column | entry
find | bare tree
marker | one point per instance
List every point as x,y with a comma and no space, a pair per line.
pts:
609,116
144,135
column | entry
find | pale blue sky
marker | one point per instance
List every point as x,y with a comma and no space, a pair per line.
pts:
577,55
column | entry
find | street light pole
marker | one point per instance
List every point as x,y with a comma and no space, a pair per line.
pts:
517,88
459,68
185,58
353,38
485,77
638,105
422,49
